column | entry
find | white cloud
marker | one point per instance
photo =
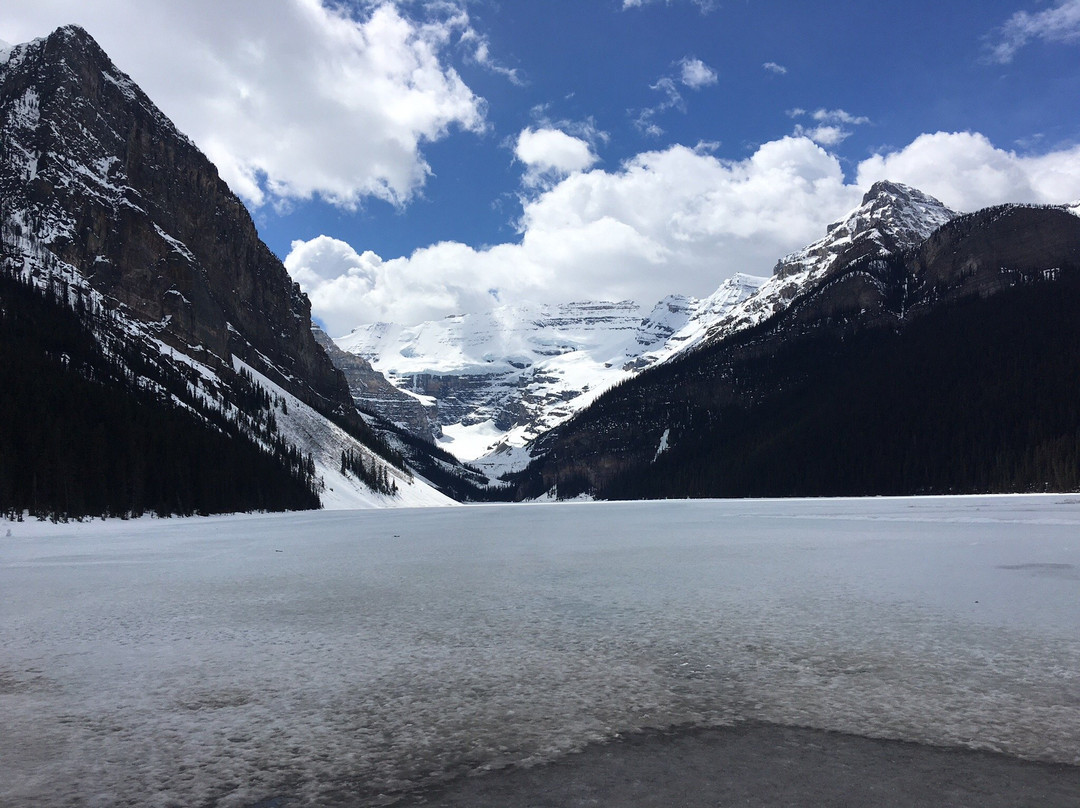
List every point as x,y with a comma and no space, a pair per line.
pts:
773,67
552,154
830,116
301,100
839,116
674,220
481,55
831,129
824,135
967,172
1058,24
705,5
693,73
646,119
696,74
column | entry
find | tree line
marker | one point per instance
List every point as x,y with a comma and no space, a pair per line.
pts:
93,427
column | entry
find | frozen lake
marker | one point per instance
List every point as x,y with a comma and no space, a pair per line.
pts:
344,658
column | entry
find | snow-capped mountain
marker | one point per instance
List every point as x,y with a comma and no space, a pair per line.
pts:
495,380
947,367
107,209
892,218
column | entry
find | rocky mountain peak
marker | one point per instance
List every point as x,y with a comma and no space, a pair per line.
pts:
94,175
892,218
898,192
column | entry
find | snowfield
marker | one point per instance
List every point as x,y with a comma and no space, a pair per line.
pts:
343,658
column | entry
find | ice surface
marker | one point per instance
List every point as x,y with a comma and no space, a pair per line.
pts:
328,658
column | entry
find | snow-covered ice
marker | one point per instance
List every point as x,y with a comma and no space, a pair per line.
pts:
331,657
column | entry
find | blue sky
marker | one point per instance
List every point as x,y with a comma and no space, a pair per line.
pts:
412,159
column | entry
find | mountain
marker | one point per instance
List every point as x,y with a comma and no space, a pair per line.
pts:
372,393
892,218
491,382
108,211
944,364
494,382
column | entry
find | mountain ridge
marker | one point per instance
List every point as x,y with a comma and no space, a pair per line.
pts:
502,383
109,210
701,406
498,379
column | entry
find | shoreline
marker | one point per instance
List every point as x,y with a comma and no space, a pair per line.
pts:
760,764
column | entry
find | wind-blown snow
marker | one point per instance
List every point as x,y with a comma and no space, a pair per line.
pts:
328,658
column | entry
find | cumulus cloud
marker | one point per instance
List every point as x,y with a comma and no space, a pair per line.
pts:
671,220
552,154
309,99
967,172
674,220
773,67
824,135
696,74
1058,24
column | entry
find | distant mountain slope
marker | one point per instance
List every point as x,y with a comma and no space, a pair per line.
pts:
109,210
950,367
892,218
496,380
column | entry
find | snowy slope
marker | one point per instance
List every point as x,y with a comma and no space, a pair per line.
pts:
501,378
704,314
892,218
508,374
325,441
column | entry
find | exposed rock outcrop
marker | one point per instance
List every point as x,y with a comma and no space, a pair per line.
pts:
97,175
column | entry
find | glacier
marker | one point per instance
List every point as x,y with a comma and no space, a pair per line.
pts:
498,379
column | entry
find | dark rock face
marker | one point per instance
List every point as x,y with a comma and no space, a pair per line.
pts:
92,170
892,218
976,255
992,250
373,393
472,398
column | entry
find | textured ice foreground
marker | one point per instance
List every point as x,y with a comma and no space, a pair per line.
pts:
332,658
